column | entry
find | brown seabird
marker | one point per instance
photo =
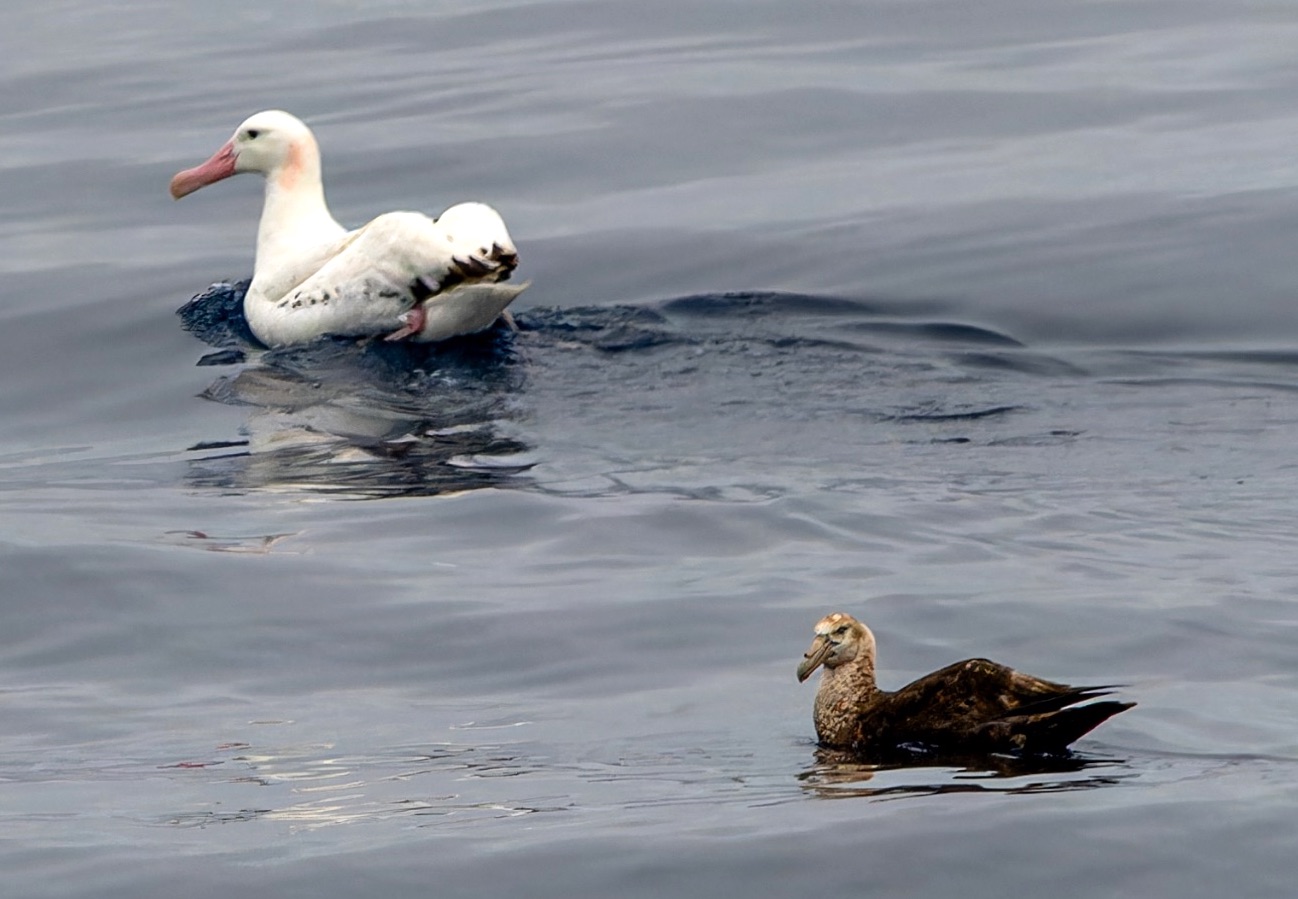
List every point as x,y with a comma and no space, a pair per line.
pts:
971,706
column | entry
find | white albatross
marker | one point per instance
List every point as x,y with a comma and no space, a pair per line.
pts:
404,274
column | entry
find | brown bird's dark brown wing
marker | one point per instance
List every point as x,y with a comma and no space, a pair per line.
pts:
974,704
1050,732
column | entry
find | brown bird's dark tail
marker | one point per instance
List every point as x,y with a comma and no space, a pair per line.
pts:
1054,731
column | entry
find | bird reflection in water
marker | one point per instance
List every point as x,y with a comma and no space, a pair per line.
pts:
837,774
363,419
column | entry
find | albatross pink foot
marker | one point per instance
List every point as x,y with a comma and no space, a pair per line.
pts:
414,323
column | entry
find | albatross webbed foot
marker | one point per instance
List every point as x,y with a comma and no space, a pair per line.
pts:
413,321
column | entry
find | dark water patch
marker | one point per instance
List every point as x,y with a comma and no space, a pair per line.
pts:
937,331
203,445
1275,357
1027,363
820,343
800,317
1050,438
731,493
931,414
763,303
1219,383
222,357
612,329
215,316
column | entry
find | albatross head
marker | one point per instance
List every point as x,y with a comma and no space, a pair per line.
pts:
840,639
271,143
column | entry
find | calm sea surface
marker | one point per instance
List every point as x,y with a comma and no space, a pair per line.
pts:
977,321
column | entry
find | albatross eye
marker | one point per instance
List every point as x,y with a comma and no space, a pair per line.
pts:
252,133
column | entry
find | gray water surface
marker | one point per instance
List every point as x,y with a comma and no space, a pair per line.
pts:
976,322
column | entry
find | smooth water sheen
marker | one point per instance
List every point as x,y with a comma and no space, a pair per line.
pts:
977,322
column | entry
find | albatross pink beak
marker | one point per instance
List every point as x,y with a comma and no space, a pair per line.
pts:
221,165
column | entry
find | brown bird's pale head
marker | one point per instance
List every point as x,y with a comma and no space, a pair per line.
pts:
840,639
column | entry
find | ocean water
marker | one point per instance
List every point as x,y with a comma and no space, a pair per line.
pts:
976,322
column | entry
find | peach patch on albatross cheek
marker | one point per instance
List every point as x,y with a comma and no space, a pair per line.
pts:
292,169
